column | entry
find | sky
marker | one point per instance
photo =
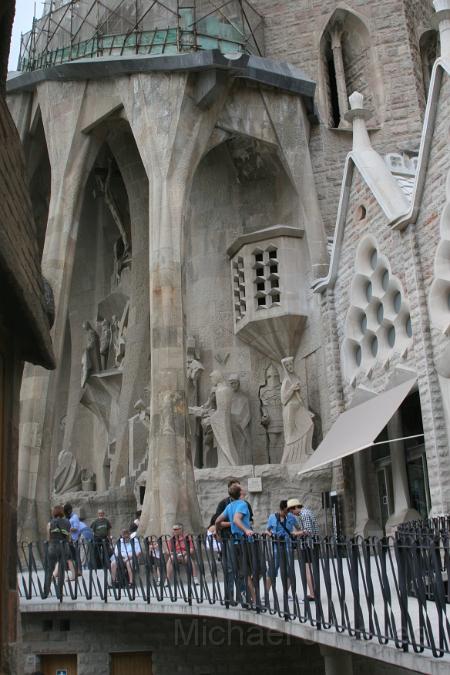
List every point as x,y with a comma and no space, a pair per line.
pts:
22,24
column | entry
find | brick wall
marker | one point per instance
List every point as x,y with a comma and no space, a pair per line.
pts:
424,238
293,29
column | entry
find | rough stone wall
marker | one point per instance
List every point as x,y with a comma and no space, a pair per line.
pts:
93,640
391,245
424,238
418,20
292,33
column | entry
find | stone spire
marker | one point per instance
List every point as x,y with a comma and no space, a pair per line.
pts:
442,20
358,116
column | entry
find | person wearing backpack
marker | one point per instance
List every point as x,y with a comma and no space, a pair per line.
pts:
101,527
58,552
282,528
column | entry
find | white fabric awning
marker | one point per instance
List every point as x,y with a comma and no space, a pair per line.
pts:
357,428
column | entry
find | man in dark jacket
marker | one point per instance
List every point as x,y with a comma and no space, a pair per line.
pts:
222,505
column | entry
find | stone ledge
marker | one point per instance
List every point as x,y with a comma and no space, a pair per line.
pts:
279,75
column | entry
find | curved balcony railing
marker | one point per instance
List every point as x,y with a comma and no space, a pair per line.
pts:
393,591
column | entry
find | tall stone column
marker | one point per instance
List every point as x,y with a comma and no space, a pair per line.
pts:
364,525
336,47
402,507
172,134
68,150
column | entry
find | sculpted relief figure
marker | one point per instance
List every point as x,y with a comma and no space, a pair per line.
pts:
215,417
105,342
297,420
120,337
90,361
194,370
220,421
67,474
240,420
272,414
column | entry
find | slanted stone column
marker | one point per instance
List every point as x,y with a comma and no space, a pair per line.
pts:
364,525
68,153
402,507
341,85
442,20
172,134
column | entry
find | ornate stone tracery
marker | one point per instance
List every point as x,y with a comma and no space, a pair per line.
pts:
378,323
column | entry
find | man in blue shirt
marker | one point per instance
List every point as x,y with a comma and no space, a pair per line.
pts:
281,526
238,514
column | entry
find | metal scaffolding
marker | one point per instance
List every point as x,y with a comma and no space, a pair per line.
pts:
79,29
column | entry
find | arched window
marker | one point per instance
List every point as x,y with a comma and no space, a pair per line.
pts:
347,66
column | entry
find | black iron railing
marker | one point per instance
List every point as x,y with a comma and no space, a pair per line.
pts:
393,590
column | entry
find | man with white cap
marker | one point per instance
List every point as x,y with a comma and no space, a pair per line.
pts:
307,525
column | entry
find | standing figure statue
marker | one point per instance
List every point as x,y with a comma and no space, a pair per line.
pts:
220,421
105,342
215,415
240,421
67,476
90,361
297,420
272,414
194,370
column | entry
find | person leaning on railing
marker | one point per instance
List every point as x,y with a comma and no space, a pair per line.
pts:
307,529
58,552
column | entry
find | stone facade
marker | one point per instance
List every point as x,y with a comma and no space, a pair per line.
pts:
169,207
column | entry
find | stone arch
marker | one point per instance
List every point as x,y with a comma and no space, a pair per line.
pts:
348,64
39,176
253,191
105,287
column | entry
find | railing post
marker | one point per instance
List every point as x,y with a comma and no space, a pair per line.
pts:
403,589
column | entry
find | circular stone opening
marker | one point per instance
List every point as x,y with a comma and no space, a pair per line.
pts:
391,336
374,346
369,291
358,355
385,280
408,327
361,212
374,259
363,324
380,313
397,301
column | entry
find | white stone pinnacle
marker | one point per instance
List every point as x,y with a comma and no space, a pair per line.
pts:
358,116
442,8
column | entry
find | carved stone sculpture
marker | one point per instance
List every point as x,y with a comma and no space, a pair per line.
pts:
240,420
194,369
67,474
105,342
90,361
121,337
297,420
220,421
87,480
272,414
